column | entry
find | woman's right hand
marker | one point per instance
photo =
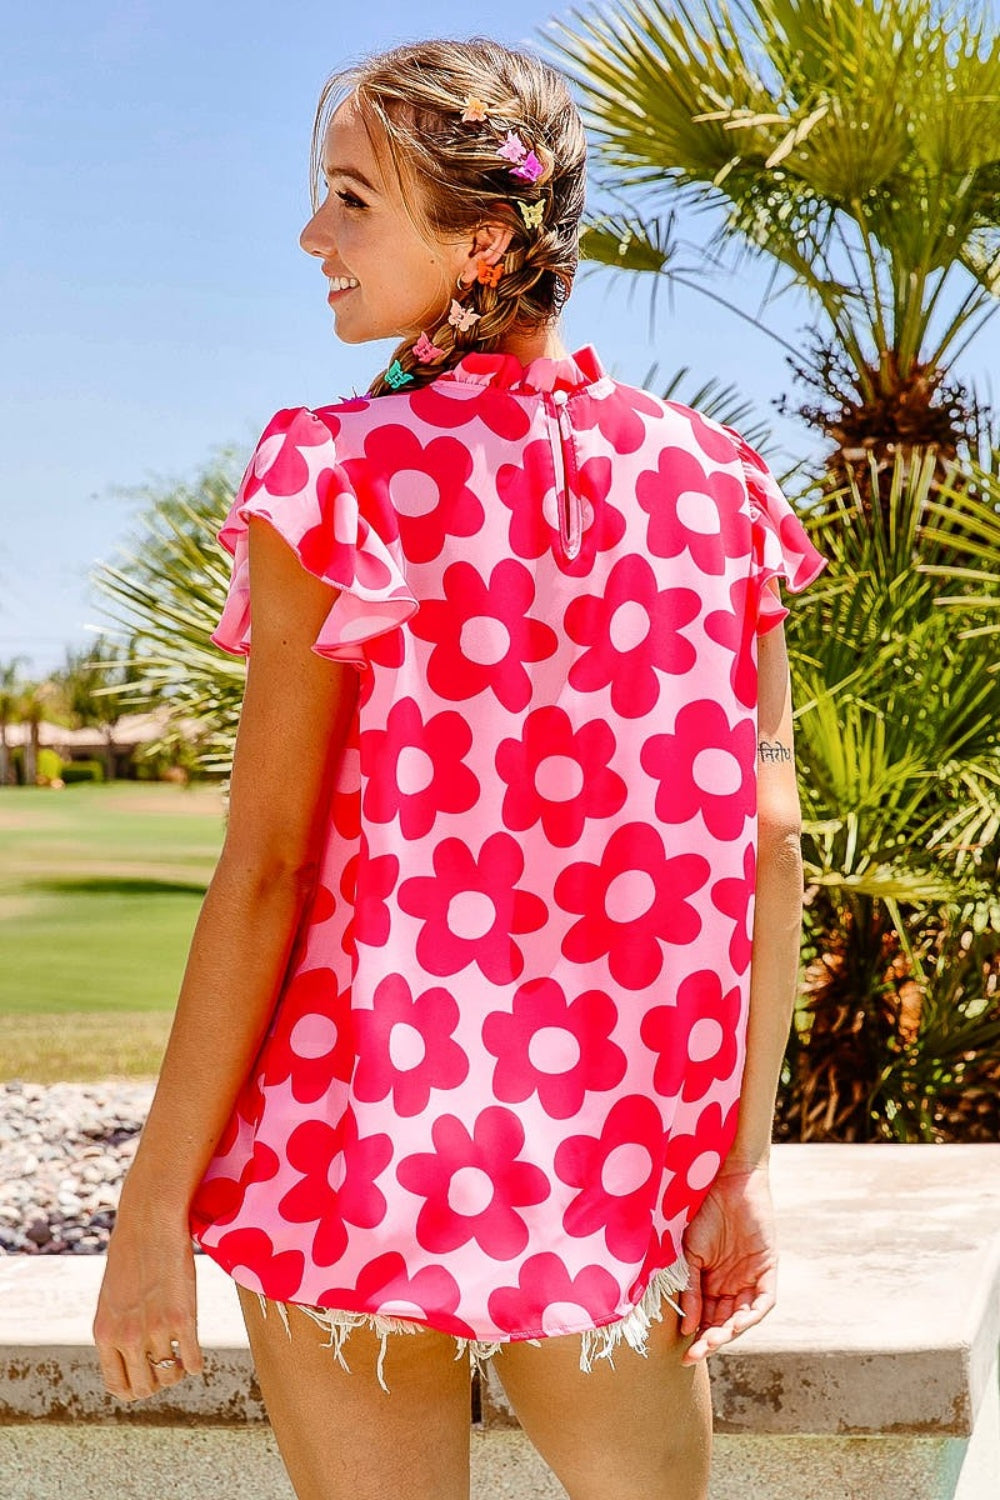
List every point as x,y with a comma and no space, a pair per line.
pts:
731,1248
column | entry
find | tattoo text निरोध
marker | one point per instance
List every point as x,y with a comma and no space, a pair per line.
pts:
771,750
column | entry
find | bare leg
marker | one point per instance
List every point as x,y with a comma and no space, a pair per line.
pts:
640,1431
340,1435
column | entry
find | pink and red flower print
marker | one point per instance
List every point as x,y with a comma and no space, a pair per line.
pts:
472,909
474,1185
417,770
406,1046
385,1287
618,1174
529,490
251,1252
555,1049
312,1043
631,631
427,488
693,1160
279,465
559,776
482,634
706,514
220,1198
370,919
631,904
618,416
735,629
705,766
338,1182
451,403
695,1038
734,898
547,1300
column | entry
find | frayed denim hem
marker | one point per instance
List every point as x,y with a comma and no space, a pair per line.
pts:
595,1343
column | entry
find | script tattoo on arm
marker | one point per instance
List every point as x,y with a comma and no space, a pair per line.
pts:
772,750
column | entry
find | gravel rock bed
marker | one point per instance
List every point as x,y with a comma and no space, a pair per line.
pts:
64,1152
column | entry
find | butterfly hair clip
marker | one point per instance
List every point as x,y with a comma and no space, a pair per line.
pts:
396,376
513,148
486,274
532,213
425,351
462,318
474,112
529,170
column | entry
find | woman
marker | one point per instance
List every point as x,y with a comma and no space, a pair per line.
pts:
473,1042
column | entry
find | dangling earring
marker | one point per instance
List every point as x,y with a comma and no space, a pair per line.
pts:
460,285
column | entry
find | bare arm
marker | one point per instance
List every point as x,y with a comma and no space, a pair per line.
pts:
295,713
777,912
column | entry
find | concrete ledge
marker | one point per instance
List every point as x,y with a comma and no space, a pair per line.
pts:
875,1375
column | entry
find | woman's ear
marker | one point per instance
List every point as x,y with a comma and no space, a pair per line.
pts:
489,243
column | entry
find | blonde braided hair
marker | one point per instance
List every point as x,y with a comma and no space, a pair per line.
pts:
411,100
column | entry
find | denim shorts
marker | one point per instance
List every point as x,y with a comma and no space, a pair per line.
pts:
595,1343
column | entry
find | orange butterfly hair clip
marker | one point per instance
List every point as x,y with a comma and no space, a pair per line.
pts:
487,274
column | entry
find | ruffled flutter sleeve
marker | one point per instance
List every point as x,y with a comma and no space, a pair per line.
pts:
781,545
295,481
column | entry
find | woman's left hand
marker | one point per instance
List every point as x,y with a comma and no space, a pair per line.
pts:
147,1305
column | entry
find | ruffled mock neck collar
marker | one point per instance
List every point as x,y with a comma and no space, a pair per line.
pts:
579,371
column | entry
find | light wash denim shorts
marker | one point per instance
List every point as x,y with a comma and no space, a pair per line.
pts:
595,1343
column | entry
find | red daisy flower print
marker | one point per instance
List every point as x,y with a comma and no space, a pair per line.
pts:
552,1048
384,1286
618,416
734,897
618,1174
337,1186
416,770
528,489
251,1251
693,1160
705,766
559,776
370,920
735,629
220,1198
453,403
631,904
279,465
473,1185
482,634
631,633
695,1039
547,1300
713,439
406,1046
427,487
472,909
688,509
313,1040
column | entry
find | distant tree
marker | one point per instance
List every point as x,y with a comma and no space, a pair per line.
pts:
10,697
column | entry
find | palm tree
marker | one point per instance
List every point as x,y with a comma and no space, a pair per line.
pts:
855,144
10,695
899,756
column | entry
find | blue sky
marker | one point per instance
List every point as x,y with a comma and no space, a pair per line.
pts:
156,304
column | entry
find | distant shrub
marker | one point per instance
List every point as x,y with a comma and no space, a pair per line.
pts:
82,770
50,764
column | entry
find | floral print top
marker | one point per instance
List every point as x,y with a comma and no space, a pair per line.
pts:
504,1065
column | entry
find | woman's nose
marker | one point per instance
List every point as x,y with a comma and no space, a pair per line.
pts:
311,238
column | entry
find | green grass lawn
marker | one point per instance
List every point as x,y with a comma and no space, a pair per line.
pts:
100,889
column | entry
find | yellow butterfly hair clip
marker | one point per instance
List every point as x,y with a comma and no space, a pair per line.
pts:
532,213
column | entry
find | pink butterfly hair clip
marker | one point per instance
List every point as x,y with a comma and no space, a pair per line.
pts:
530,169
425,351
513,148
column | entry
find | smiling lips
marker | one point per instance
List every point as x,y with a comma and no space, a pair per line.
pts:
342,283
